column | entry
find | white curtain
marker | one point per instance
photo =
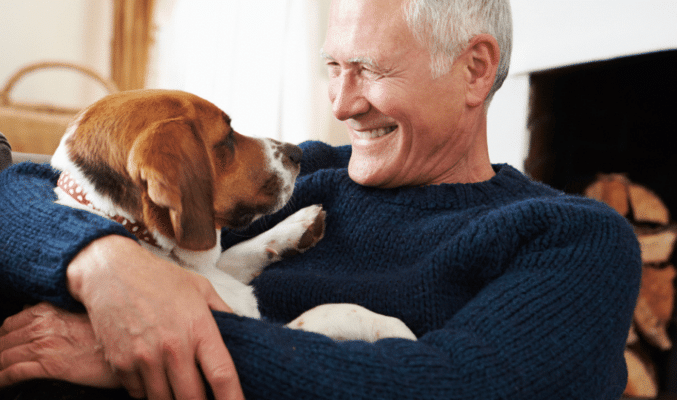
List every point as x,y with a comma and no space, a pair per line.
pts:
258,60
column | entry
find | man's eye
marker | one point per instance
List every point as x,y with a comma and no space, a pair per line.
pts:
370,73
333,68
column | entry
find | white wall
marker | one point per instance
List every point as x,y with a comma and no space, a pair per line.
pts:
77,31
258,60
552,33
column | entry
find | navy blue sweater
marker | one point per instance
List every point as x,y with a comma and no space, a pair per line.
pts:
515,290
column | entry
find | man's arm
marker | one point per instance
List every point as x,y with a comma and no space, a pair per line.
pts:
154,321
71,257
40,238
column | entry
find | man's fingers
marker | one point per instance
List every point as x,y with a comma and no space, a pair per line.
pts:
155,383
15,337
132,382
146,378
17,321
21,372
184,376
218,367
17,355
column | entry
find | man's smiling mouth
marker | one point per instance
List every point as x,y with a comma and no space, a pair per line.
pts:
375,133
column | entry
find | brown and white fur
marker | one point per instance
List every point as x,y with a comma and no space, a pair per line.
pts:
171,161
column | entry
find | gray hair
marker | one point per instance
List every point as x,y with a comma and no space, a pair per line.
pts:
445,27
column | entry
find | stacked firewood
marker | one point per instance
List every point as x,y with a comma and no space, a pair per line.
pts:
656,235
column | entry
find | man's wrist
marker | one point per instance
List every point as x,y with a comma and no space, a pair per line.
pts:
92,260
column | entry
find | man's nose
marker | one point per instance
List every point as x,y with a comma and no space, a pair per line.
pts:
347,99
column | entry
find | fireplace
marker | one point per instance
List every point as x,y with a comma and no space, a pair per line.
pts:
610,116
614,116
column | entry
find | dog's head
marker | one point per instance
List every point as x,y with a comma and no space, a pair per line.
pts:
173,160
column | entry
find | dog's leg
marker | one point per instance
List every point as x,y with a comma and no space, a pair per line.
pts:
351,322
295,234
239,297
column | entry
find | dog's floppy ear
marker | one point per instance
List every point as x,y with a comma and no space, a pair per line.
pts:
170,163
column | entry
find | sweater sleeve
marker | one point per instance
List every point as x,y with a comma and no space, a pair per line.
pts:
39,238
551,324
318,155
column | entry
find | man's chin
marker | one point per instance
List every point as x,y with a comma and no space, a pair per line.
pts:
372,161
368,174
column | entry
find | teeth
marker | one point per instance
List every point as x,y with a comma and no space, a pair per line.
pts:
375,133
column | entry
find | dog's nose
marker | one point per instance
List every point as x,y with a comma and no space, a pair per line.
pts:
293,152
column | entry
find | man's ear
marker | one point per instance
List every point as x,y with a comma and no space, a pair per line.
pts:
481,57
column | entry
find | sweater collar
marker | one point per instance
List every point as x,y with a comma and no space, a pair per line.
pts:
508,184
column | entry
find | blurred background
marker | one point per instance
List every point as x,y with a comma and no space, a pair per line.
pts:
258,59
591,91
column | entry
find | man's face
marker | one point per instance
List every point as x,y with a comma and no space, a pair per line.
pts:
406,129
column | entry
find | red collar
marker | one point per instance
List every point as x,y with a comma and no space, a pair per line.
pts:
69,185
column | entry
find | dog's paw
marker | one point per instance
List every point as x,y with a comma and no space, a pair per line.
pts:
297,233
351,322
245,307
239,297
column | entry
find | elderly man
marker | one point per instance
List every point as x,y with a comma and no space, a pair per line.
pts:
514,290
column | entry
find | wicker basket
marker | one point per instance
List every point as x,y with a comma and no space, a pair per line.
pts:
37,128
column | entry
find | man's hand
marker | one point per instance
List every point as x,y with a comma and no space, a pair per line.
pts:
46,342
154,321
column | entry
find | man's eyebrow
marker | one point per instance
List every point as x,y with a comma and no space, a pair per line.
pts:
325,55
355,60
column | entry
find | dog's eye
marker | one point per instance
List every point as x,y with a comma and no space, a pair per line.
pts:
223,151
228,141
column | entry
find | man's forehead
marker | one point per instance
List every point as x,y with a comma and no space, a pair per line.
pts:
343,6
365,31
366,13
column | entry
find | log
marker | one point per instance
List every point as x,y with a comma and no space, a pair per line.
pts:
655,304
658,290
631,200
646,206
632,336
651,328
642,380
656,245
611,189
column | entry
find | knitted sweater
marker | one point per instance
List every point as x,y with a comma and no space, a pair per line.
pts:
515,290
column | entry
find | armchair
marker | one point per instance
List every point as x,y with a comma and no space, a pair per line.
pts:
8,157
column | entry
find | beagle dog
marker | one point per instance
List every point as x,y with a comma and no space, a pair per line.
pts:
169,166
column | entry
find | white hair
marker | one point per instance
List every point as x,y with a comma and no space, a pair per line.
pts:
445,27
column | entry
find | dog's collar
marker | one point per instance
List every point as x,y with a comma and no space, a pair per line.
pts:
69,185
